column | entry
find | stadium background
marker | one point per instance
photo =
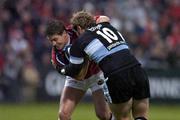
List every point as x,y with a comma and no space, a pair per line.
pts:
151,27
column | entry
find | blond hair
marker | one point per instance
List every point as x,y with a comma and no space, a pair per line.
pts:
82,19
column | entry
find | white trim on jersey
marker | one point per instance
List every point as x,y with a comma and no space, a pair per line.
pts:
59,60
93,46
76,60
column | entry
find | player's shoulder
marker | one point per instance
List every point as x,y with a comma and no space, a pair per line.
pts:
84,39
87,36
105,24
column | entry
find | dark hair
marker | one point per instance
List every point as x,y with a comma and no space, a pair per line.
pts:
54,27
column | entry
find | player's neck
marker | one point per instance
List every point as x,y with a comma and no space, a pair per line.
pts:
68,41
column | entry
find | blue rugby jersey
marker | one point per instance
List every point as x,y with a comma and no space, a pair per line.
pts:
105,46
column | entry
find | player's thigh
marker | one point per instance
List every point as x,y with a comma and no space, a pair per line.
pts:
73,83
121,110
140,108
118,88
141,89
69,99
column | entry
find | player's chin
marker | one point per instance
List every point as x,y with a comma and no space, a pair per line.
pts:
59,47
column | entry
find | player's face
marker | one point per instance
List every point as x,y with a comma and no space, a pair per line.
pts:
59,41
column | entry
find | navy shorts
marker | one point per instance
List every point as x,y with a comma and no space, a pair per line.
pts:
125,84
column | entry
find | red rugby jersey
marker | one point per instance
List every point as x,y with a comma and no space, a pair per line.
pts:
61,57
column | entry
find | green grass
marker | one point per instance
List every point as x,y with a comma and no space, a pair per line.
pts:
165,112
48,111
28,112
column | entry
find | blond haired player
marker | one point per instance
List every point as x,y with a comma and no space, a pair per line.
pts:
127,86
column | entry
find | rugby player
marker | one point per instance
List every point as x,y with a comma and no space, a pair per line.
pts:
61,39
126,85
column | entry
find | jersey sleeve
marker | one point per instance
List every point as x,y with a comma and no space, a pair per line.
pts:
53,57
59,58
77,59
77,53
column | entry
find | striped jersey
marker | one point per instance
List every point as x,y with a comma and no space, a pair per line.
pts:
105,46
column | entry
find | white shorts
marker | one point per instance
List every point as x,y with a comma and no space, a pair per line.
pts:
84,85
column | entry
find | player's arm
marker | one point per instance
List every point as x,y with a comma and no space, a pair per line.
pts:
57,59
78,62
77,71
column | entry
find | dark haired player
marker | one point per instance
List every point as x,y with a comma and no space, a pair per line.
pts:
62,38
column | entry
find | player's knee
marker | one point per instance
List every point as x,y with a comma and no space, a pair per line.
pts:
111,117
64,115
103,115
140,118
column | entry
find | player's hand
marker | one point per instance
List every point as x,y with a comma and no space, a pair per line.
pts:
101,19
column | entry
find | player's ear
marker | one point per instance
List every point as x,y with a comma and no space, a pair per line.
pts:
80,30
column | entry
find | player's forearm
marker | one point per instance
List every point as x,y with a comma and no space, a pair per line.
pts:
70,69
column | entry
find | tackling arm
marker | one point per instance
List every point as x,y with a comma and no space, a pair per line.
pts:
59,60
77,71
79,62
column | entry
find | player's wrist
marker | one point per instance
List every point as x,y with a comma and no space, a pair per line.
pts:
61,69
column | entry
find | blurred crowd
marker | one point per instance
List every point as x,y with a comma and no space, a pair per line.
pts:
151,27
